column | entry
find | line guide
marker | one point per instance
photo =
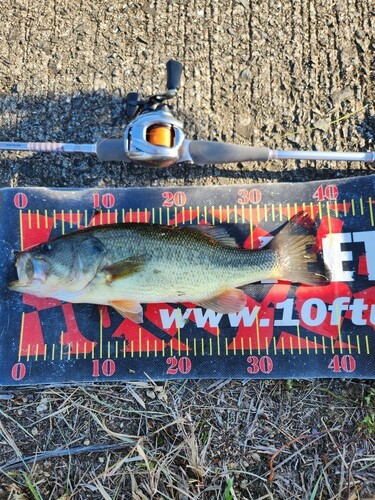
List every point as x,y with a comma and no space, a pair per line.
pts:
285,331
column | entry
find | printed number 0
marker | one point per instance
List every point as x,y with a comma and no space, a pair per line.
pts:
20,200
18,371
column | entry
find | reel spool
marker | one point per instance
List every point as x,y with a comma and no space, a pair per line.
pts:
160,135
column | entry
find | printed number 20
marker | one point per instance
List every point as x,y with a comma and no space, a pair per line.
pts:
178,199
182,365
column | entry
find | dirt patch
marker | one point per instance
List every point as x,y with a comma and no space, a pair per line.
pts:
288,75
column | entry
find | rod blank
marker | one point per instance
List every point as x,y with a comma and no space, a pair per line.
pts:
321,155
201,152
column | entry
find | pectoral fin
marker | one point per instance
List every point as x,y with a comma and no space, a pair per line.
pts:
129,309
230,301
123,268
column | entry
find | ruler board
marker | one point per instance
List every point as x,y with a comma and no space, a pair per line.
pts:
286,331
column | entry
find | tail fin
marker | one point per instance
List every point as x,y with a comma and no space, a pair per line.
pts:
298,261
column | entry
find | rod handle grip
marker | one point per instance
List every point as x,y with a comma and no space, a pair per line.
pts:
208,152
111,150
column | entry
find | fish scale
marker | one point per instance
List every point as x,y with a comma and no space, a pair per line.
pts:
125,265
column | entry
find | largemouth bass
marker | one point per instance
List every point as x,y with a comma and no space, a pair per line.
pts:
125,265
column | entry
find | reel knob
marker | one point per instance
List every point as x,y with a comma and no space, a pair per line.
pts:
174,70
132,104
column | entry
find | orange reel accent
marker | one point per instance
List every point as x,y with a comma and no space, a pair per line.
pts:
160,135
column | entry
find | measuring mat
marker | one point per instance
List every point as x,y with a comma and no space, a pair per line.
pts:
285,331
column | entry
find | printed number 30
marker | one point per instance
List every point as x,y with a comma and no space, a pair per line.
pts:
264,364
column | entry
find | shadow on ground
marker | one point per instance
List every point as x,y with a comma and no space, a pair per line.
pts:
85,118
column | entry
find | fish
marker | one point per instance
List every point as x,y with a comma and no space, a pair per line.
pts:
126,265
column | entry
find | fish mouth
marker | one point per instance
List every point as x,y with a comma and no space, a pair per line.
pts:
29,271
16,286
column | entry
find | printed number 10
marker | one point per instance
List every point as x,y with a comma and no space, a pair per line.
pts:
106,200
106,367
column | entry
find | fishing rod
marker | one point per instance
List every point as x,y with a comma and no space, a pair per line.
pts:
154,137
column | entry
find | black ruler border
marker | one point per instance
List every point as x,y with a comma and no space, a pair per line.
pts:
59,363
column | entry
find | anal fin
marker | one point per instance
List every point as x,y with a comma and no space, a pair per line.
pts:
129,309
227,302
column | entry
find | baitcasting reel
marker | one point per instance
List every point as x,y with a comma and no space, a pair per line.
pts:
154,137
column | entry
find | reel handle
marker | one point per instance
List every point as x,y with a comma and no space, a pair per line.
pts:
174,70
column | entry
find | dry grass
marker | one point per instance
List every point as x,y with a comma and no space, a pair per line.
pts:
189,440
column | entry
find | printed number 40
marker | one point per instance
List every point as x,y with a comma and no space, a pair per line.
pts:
346,363
329,192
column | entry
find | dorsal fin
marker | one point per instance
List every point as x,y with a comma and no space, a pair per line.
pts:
218,233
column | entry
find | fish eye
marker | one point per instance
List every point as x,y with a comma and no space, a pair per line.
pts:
45,247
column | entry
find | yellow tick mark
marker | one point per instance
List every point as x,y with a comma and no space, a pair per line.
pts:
371,211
